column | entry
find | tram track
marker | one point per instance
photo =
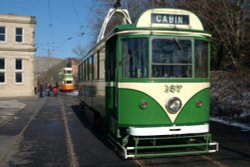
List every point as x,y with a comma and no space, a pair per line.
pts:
227,149
17,139
215,162
59,113
72,155
143,163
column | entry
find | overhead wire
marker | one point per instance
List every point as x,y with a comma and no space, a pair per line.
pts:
77,34
82,26
76,12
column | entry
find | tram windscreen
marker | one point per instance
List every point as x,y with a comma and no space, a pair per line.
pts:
171,58
135,58
68,82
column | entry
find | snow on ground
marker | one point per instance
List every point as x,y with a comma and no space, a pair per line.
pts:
230,98
243,126
73,93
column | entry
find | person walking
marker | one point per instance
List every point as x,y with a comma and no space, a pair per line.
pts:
41,90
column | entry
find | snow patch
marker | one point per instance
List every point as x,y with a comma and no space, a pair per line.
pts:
244,127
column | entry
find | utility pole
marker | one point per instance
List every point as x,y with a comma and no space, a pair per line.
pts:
49,59
50,79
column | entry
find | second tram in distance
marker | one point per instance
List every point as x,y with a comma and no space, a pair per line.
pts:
150,83
66,81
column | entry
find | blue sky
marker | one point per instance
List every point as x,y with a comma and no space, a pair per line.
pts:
62,25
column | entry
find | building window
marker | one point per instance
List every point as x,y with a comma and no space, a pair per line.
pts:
2,34
19,71
2,70
2,64
19,64
19,77
19,35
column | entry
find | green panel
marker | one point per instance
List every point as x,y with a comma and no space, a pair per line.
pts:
130,112
191,113
110,102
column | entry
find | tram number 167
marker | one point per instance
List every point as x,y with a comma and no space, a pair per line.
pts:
173,88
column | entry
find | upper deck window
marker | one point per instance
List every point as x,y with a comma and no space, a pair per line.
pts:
67,71
135,57
171,58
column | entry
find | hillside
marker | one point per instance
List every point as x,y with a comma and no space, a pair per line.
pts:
42,64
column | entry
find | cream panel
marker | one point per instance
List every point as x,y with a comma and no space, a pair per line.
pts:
145,19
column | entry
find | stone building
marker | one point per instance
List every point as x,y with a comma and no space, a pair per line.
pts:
17,52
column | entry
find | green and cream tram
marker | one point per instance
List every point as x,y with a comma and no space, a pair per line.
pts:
66,81
149,82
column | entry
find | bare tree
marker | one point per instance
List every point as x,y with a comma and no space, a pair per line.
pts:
81,50
51,76
227,21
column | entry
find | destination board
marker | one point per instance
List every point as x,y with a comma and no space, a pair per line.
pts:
169,19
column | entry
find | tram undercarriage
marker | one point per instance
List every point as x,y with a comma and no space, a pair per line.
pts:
158,146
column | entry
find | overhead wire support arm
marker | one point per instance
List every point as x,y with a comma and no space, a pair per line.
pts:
116,9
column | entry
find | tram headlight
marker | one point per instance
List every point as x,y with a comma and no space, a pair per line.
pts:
173,105
199,103
143,105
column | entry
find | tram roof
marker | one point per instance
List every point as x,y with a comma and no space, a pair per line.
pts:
165,18
160,19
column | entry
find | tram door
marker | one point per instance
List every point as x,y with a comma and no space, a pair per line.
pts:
111,78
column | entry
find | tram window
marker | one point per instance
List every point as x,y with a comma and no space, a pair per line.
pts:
135,58
86,73
68,82
171,58
68,72
90,66
111,59
95,66
101,64
201,59
81,72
